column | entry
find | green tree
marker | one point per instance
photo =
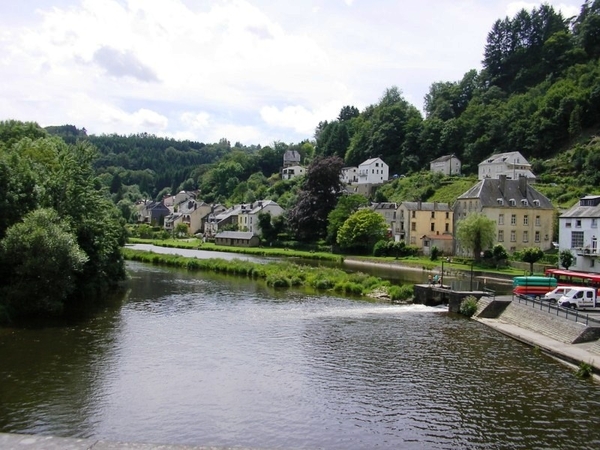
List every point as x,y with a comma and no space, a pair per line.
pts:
362,230
40,259
531,255
476,233
347,204
566,258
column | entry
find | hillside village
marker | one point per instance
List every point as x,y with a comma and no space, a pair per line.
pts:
504,193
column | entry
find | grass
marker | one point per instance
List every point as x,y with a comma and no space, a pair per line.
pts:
197,244
280,274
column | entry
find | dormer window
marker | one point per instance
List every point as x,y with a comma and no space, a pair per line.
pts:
500,201
536,203
524,202
512,202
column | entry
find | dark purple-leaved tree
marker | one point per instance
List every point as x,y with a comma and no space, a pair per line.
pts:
317,198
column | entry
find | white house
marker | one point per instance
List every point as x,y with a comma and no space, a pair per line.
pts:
448,165
349,175
373,171
578,232
291,172
248,215
511,164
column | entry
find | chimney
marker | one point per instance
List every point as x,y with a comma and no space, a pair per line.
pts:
523,186
502,179
435,206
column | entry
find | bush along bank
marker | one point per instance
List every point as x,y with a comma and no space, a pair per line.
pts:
284,275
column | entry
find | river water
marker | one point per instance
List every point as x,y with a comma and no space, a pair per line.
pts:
213,360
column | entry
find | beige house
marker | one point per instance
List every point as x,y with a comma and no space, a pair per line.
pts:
248,214
447,164
417,220
523,216
190,213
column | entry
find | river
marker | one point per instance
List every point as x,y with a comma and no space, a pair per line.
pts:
212,360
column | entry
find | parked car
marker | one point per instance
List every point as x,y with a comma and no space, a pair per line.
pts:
554,295
580,298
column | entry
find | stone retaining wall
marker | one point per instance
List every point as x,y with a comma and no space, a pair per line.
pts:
540,321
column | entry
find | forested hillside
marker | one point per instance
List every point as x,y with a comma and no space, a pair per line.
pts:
538,93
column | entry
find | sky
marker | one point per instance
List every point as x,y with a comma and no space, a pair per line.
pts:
249,71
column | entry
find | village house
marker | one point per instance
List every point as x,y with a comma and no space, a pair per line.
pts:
578,232
219,219
248,215
191,213
388,211
287,173
237,239
291,158
349,175
152,213
416,221
448,165
512,165
523,216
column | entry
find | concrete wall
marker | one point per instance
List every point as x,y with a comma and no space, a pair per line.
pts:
547,323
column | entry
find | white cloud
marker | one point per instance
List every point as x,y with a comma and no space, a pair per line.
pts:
253,71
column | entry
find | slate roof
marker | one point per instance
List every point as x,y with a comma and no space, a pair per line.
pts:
444,158
371,161
488,191
584,211
426,206
501,157
234,235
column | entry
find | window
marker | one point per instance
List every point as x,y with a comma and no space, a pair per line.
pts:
513,236
447,227
513,219
536,203
512,202
524,202
433,214
594,223
525,219
500,235
578,223
501,219
537,236
433,227
525,236
413,226
414,214
576,239
538,221
568,224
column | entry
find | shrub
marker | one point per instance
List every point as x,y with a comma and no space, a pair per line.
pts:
468,306
585,370
403,292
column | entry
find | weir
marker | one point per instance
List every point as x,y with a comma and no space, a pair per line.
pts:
435,295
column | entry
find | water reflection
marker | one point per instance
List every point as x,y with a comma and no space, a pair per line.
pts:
214,360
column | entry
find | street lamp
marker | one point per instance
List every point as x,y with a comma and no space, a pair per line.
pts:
472,276
442,279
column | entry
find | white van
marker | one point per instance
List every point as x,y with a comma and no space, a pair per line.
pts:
554,295
579,297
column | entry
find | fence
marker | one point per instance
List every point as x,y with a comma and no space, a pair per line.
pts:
568,313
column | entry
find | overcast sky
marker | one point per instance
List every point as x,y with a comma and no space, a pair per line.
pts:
250,71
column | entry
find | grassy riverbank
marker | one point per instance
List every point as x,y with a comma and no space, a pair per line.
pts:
196,244
283,274
424,263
